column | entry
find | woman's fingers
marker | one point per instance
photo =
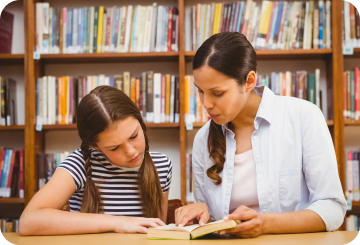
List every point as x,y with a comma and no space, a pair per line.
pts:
241,214
204,218
244,226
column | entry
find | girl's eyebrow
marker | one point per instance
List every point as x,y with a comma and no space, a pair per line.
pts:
112,146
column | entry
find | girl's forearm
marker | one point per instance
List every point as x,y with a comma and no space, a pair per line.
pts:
292,222
56,222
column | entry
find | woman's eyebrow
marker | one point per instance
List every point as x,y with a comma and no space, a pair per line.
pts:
209,88
111,146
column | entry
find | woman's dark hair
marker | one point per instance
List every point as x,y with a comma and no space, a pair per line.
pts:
233,55
96,112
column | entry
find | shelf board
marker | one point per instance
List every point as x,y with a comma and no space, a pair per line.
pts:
11,59
330,122
12,200
74,127
355,55
295,54
352,122
110,57
356,203
15,127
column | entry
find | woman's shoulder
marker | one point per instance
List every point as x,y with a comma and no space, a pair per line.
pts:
202,136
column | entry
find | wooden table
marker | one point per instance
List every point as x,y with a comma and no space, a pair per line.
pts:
325,238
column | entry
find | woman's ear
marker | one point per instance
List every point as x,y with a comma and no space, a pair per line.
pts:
250,81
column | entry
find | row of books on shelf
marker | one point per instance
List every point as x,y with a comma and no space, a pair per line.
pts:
351,25
267,25
9,225
351,89
352,223
300,84
352,176
106,29
11,173
155,94
7,101
47,164
189,179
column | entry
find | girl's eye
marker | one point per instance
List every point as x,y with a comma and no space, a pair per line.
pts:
115,148
218,95
200,91
134,136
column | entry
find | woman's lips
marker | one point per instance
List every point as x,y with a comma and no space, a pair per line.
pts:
135,159
213,116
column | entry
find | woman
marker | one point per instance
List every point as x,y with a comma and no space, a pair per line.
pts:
113,182
264,159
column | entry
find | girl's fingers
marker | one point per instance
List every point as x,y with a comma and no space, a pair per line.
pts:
141,229
149,223
159,222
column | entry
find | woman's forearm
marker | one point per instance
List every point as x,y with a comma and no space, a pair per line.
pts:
292,222
56,222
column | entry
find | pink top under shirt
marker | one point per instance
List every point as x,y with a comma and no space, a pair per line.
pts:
244,189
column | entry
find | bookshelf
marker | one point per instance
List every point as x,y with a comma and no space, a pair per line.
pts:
34,141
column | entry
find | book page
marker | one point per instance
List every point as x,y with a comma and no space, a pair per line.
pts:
188,228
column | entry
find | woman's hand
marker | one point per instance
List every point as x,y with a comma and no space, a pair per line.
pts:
185,215
251,225
125,224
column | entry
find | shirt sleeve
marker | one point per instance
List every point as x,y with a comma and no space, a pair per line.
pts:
75,165
321,172
198,168
168,177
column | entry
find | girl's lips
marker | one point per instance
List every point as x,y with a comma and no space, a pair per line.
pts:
134,159
213,116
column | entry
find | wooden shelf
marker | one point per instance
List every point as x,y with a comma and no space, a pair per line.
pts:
15,127
355,55
110,57
356,203
352,122
11,59
12,200
74,126
330,122
296,54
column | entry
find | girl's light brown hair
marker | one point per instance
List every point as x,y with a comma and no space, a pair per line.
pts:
233,55
96,112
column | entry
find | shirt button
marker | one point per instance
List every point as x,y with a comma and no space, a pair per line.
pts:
255,137
264,210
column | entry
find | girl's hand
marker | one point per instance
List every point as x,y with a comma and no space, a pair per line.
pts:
184,215
251,225
125,224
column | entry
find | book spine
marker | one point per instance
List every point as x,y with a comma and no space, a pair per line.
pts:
163,98
144,94
95,31
21,173
356,176
172,99
157,98
170,29
349,179
46,28
167,97
100,30
345,95
150,97
153,27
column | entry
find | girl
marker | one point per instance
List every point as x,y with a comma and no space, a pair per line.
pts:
113,182
262,158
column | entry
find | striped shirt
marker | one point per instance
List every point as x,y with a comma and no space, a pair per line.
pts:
117,185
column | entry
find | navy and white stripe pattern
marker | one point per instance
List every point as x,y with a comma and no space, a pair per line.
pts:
117,186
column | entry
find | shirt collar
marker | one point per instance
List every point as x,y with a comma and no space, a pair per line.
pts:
266,107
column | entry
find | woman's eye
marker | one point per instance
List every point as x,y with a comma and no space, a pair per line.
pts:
134,136
218,95
115,148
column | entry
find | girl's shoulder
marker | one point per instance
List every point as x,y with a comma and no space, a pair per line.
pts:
160,159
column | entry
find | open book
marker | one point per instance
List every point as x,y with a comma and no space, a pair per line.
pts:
189,232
